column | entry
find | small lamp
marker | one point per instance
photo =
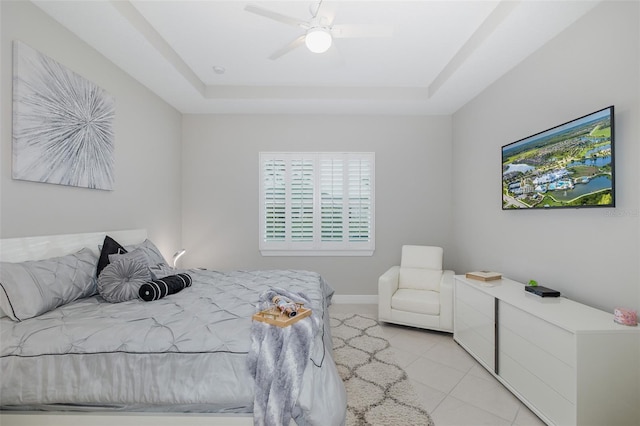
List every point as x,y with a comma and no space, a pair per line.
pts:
318,39
177,256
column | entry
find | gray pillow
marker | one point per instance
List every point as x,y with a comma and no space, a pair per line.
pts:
31,288
150,249
139,255
161,270
121,280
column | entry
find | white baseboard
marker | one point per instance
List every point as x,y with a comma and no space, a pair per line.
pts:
365,299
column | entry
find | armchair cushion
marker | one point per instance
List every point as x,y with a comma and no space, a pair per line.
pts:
417,301
420,279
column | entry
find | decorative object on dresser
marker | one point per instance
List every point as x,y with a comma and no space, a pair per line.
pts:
542,291
625,316
418,293
571,364
62,124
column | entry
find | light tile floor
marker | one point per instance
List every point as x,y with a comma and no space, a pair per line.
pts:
454,387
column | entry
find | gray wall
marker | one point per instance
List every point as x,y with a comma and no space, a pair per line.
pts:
220,188
147,147
590,255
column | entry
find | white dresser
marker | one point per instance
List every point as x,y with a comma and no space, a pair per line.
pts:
570,363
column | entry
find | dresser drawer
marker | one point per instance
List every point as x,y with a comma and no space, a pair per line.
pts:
530,388
480,323
475,298
475,332
554,340
558,375
474,326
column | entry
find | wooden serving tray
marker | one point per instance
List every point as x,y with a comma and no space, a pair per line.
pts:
274,317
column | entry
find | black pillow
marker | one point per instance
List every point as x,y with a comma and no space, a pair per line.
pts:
157,289
109,246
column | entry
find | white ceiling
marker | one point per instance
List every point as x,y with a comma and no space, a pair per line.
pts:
441,53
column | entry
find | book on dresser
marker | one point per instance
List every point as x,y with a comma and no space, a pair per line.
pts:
484,275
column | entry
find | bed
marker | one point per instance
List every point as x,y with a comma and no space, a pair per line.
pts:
184,354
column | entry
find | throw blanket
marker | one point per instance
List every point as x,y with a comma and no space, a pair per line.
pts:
277,359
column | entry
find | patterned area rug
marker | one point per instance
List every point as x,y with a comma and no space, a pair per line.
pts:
378,389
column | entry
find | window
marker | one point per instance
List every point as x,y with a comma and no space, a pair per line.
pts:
317,203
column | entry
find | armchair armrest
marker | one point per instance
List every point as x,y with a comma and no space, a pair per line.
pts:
446,300
446,282
387,285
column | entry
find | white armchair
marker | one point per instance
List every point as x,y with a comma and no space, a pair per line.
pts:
417,293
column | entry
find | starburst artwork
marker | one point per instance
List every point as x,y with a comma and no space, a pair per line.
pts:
62,124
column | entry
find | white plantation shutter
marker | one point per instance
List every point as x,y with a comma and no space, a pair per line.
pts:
331,199
317,203
274,199
301,198
360,199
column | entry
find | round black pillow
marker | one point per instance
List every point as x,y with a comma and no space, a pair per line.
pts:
121,280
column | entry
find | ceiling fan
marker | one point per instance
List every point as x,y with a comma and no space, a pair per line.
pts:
319,30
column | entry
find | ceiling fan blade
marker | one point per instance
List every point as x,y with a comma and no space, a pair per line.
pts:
355,31
315,10
321,15
276,16
288,48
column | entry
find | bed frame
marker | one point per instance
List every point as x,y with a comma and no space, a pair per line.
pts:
43,247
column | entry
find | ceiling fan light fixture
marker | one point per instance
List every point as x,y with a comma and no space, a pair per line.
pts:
318,40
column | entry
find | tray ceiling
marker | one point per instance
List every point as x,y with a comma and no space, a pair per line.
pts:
441,54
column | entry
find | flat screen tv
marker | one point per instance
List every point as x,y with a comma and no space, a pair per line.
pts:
567,166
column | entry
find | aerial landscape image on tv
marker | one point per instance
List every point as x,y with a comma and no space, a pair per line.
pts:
570,165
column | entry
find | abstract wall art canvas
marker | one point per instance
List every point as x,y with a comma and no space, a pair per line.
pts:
62,124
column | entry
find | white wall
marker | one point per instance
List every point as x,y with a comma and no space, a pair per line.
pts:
590,255
147,147
220,188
